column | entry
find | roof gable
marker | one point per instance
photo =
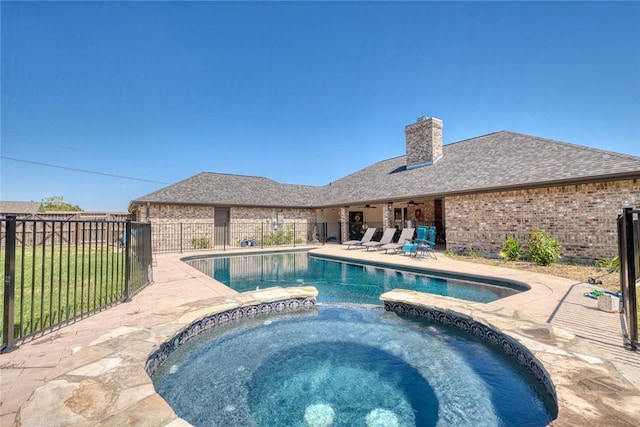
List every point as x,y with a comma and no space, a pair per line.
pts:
208,188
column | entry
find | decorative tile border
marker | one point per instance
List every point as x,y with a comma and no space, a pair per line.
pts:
289,305
510,346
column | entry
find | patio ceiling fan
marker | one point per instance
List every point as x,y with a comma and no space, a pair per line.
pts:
413,203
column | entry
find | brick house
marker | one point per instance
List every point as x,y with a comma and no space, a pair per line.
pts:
477,192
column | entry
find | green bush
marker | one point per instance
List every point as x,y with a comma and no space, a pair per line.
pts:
543,248
511,249
200,243
277,238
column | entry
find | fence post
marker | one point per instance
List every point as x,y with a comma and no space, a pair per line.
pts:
8,340
294,234
181,237
632,315
622,255
127,260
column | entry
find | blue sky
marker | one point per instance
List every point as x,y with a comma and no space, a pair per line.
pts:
128,97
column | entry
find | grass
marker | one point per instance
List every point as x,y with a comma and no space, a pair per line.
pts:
54,284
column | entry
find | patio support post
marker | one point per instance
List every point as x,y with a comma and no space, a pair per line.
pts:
387,216
344,223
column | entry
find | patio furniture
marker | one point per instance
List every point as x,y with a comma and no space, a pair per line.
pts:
411,248
368,235
427,247
405,235
386,238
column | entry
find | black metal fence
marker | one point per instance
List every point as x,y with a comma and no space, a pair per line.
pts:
186,237
58,271
629,253
183,237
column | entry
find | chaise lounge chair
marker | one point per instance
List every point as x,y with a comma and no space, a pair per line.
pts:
428,246
368,235
405,236
411,248
386,238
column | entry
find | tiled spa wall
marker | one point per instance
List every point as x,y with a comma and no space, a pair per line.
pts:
289,305
507,344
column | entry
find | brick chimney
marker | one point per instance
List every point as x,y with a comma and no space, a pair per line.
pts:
424,142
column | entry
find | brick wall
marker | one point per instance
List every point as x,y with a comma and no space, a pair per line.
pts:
581,217
202,214
176,213
263,214
180,227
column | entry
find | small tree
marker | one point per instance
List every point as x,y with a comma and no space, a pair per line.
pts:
543,249
56,203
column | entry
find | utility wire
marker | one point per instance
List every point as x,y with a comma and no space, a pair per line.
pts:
81,170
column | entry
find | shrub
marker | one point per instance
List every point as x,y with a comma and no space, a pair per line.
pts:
276,238
200,243
543,248
511,249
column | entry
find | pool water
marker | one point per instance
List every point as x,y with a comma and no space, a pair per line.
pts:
347,366
339,281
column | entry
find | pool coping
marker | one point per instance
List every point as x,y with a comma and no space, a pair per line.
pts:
101,376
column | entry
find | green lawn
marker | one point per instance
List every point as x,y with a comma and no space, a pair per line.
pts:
54,284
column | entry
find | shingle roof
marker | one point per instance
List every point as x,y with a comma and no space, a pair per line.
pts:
496,161
16,208
499,160
208,188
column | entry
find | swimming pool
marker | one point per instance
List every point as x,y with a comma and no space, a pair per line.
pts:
347,366
345,281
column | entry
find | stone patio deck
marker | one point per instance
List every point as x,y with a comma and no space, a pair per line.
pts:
92,372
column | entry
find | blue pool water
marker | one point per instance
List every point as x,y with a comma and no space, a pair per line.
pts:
347,366
338,281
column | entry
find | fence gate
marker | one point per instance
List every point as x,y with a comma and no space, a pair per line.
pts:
629,253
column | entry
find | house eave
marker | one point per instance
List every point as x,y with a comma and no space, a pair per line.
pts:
530,185
136,203
401,198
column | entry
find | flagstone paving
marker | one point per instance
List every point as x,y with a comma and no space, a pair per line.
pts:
92,371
